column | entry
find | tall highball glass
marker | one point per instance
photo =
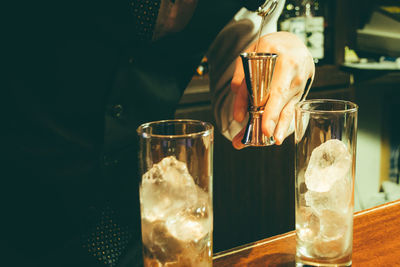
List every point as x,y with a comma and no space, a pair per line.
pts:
325,137
176,164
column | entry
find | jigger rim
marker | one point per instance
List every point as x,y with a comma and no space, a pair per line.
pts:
258,55
204,129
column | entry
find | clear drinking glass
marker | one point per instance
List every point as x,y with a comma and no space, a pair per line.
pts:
176,164
325,137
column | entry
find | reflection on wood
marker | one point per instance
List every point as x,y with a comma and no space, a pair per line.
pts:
376,242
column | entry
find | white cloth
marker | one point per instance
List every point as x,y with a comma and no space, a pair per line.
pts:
239,33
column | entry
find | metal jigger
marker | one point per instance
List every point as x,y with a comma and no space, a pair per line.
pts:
258,71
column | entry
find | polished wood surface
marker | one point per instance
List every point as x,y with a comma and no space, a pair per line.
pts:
376,242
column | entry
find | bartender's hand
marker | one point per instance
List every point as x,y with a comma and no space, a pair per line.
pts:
294,67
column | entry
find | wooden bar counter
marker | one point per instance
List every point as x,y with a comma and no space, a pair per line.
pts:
376,242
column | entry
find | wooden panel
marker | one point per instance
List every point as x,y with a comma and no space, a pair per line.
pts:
253,188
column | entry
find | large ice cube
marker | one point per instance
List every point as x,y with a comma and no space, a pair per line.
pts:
334,238
159,242
328,163
330,248
307,224
338,198
193,223
333,224
187,227
176,216
167,188
337,244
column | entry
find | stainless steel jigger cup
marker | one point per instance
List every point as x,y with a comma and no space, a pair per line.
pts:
258,72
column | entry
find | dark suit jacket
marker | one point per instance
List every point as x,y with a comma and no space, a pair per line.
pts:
77,83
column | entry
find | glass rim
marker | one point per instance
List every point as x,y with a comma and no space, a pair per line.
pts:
258,55
208,129
351,109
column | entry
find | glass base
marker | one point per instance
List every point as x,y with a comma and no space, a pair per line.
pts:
305,262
